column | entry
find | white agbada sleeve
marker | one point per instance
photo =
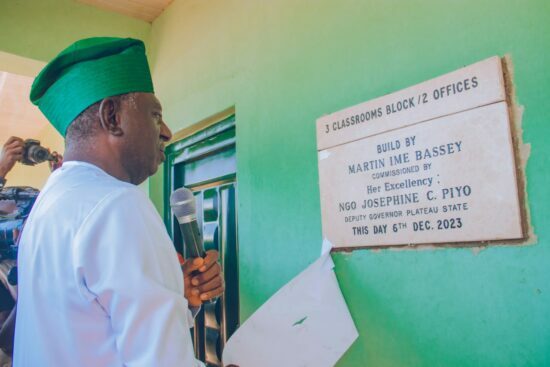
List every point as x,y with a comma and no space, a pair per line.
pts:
127,265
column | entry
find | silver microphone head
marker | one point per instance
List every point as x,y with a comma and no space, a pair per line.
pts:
183,205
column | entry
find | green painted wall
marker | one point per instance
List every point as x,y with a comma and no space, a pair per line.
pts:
284,63
40,29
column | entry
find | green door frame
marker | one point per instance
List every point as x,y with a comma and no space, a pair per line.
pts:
205,162
176,152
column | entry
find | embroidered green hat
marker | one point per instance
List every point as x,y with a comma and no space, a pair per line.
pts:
86,72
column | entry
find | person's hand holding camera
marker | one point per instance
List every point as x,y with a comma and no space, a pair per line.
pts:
56,162
12,151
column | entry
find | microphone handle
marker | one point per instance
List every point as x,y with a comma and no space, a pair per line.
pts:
192,239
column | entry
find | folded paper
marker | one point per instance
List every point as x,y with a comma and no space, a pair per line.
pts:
306,323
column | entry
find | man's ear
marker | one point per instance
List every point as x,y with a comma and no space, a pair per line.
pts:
109,116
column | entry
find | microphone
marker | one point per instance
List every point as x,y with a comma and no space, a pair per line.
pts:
183,206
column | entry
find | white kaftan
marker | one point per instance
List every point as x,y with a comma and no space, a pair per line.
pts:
99,280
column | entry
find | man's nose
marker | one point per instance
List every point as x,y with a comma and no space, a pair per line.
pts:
165,133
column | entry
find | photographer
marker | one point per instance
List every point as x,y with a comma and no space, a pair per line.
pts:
12,151
15,204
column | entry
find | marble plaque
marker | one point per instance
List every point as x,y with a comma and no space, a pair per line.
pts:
446,180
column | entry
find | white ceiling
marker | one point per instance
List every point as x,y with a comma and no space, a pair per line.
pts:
147,10
18,116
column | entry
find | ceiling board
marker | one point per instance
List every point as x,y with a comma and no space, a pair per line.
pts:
147,10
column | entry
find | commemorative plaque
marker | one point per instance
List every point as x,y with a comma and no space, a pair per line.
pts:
433,163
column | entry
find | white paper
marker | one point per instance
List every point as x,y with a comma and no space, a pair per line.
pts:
306,323
326,246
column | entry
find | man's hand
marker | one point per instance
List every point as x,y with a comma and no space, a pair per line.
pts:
203,279
12,151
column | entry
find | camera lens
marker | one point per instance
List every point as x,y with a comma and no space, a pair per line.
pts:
38,154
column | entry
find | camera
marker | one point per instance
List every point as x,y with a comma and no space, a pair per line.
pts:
34,153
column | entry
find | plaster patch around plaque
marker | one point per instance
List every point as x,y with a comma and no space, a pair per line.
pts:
522,150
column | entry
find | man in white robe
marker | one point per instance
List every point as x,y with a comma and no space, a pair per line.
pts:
99,279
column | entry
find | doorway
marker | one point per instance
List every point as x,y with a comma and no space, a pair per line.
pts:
205,162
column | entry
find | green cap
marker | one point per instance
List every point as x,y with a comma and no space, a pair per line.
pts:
86,72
